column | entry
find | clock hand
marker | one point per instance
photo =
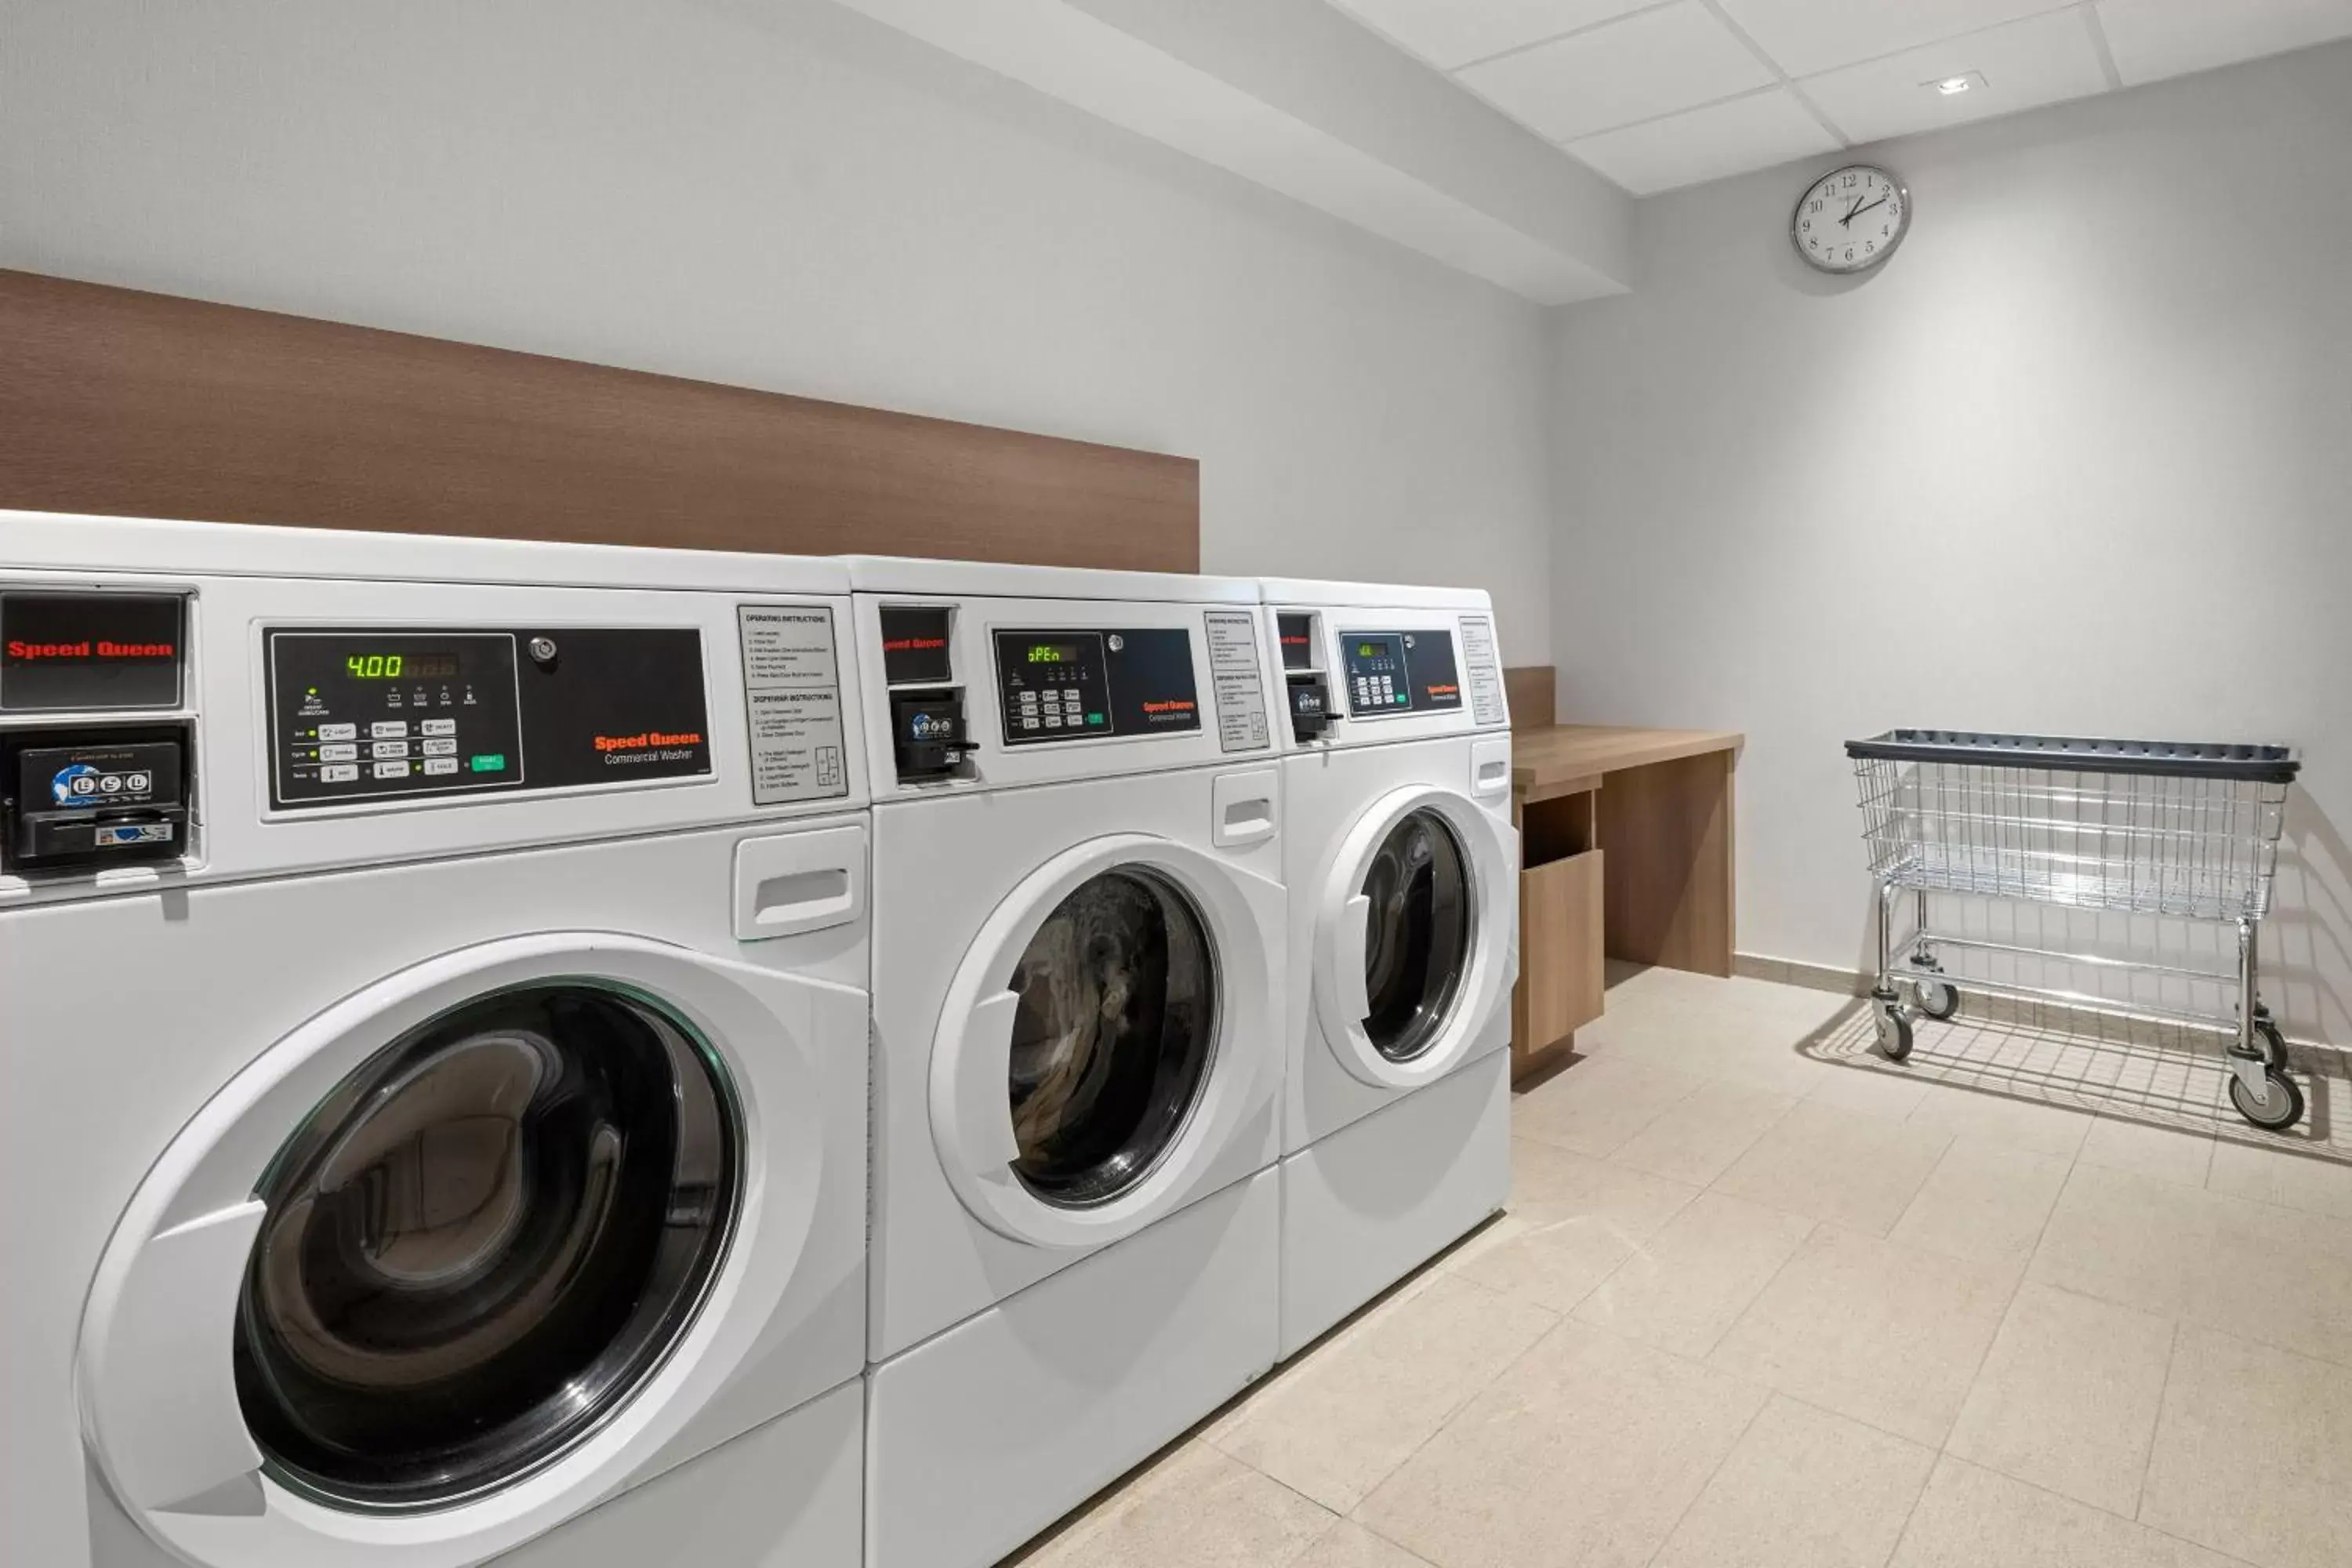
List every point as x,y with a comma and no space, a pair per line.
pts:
1850,212
1859,211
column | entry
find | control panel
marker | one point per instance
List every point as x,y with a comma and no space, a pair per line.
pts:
1094,684
360,713
1386,674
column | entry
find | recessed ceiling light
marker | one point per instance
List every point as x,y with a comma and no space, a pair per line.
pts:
1948,86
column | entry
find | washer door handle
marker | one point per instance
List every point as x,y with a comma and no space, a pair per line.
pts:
162,1383
1355,935
984,1075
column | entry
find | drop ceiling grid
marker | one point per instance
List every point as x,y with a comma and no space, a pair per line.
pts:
1656,94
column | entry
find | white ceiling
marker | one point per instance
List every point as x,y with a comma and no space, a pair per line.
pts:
1659,93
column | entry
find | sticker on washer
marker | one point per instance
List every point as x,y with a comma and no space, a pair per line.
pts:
1486,676
792,694
1233,674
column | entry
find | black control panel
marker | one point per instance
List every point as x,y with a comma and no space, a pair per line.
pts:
1387,674
1091,684
361,713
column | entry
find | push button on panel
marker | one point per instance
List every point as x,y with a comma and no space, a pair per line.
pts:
437,727
440,764
339,731
383,749
388,730
347,752
392,770
339,773
489,762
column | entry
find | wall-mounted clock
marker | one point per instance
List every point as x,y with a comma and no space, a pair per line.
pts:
1851,219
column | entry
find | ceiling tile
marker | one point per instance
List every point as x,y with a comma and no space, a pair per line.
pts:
1809,36
2152,39
1652,63
1752,132
2040,60
1451,33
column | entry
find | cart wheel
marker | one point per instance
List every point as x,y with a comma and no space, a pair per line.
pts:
2274,1043
2281,1106
1894,1033
1939,999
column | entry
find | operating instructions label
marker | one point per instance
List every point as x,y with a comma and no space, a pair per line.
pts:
791,694
1485,670
1233,672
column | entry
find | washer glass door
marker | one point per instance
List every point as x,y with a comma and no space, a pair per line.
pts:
1418,934
483,1242
1113,1037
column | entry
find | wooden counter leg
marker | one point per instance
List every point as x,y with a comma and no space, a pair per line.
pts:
1667,831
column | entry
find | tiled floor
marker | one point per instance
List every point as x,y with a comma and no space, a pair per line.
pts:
1762,1297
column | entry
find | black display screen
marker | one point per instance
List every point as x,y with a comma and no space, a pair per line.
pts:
1063,685
396,665
915,646
1297,634
66,651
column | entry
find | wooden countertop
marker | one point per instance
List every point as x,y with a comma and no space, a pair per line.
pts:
1558,759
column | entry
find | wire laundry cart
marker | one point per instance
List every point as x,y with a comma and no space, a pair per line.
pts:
2180,829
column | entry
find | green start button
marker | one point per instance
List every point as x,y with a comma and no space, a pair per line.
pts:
490,762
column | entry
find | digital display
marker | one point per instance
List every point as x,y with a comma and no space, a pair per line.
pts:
1055,653
1368,650
400,666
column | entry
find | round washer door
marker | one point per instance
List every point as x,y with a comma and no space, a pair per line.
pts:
1414,936
437,1269
1109,1029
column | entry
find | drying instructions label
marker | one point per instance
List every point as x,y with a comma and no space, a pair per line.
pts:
791,691
1485,672
1233,672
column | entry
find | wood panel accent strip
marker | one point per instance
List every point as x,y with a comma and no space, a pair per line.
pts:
1527,691
118,402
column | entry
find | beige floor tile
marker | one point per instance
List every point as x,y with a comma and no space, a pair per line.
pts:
2253,1453
1572,1221
1804,1488
2267,1173
2273,1274
1584,1457
1699,1137
1971,1518
1884,1333
1597,1105
2019,1121
1684,1288
2143,1149
1350,1545
1984,1201
1870,1085
1856,1168
2067,1398
1196,1509
1336,1427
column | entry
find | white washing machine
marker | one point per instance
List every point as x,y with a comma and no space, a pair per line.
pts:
1077,990
1403,866
433,1013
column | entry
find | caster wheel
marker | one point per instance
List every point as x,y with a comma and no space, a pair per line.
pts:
2274,1043
1936,999
2280,1107
1894,1033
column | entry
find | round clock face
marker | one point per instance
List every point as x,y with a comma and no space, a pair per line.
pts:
1851,219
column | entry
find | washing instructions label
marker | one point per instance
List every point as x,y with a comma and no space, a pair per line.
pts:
791,693
1485,672
1233,675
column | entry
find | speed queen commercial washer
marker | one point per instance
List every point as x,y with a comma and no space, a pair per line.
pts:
1077,983
432,1007
1403,867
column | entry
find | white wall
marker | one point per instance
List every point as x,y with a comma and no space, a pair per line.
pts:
780,194
2078,459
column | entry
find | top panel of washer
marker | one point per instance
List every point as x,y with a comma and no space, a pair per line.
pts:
1366,664
192,701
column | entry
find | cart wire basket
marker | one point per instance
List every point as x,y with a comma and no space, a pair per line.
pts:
2188,830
